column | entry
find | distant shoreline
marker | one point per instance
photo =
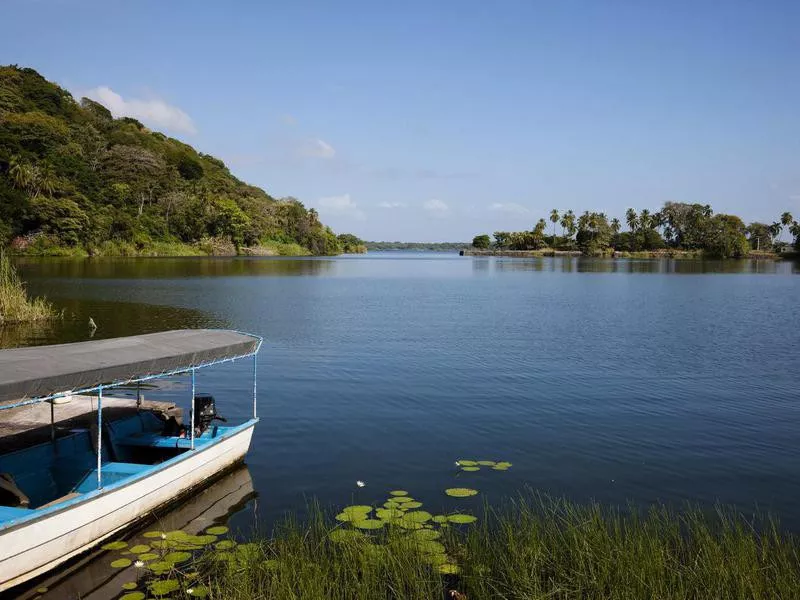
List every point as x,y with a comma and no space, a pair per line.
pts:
654,254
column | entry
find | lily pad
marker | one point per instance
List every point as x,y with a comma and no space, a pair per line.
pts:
369,524
354,513
430,547
388,514
462,519
437,559
419,516
249,551
403,499
502,465
159,567
153,534
467,463
177,557
460,492
164,587
391,504
121,563
470,469
440,519
133,596
41,590
225,545
140,548
406,524
345,535
176,535
398,493
131,585
115,546
147,556
449,569
198,591
487,463
426,534
217,530
201,540
411,505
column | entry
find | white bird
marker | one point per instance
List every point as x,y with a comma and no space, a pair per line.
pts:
92,324
360,483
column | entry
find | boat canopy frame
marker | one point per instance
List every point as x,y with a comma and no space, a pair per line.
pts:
229,346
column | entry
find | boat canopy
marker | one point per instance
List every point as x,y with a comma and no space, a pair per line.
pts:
42,372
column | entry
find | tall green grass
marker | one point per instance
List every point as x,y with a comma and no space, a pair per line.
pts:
15,305
534,548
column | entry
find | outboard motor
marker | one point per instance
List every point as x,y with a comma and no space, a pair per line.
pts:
205,411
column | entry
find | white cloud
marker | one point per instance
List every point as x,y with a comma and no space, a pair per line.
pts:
515,209
436,207
343,205
153,112
392,205
318,149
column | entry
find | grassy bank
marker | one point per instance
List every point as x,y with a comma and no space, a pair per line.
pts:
534,548
15,305
205,247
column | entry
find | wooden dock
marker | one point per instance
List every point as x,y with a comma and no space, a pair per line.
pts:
29,425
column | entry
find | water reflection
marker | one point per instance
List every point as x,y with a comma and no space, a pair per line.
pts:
572,264
168,268
91,578
113,319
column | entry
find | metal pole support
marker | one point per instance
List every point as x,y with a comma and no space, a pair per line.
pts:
191,410
100,437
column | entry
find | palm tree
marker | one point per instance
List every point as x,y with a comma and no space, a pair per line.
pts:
21,173
615,225
554,220
644,219
786,221
630,217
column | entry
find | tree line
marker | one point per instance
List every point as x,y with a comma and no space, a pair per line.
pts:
74,178
678,225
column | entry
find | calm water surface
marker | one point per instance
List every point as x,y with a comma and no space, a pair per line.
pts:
609,379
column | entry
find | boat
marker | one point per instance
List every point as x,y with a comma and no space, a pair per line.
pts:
63,497
92,578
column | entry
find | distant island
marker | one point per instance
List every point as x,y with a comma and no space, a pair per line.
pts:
421,246
75,181
677,229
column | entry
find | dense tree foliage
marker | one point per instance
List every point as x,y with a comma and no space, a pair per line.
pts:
481,242
677,225
72,176
351,244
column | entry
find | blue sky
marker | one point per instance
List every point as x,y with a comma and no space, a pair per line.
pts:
425,121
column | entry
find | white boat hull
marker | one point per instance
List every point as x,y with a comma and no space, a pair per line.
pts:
32,548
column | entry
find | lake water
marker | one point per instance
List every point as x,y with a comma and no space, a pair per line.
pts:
608,379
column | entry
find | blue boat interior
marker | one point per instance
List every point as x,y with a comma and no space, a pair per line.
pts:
48,474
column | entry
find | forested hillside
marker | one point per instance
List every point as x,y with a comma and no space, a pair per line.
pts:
75,180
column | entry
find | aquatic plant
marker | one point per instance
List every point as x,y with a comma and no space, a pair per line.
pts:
15,305
460,492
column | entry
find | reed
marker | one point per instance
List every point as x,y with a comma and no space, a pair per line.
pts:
15,305
533,548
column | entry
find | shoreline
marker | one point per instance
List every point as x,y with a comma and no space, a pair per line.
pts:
648,254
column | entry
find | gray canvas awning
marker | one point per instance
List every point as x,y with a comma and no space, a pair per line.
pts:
43,371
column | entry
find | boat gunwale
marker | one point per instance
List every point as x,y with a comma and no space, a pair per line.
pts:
41,513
